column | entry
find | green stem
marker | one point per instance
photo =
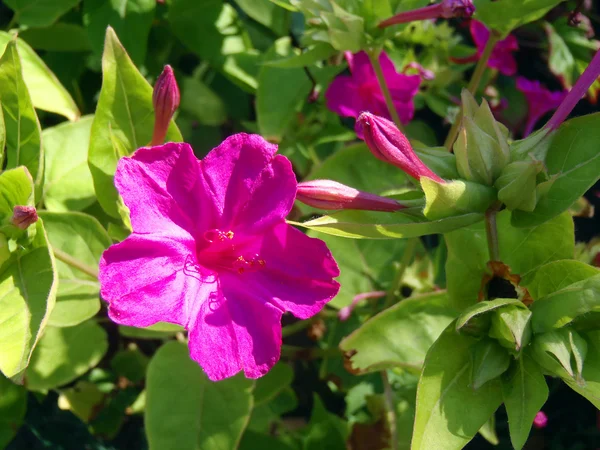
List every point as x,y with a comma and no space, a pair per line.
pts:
75,263
288,330
491,230
295,352
374,58
473,85
407,256
392,416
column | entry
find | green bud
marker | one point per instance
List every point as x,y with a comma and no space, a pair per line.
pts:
481,149
455,197
535,145
561,352
511,327
517,185
489,361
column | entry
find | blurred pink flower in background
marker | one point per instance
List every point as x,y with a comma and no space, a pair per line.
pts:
540,420
211,251
540,101
349,95
502,56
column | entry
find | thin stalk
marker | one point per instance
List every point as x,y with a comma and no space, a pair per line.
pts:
295,352
491,230
288,330
374,58
407,256
473,85
75,263
392,416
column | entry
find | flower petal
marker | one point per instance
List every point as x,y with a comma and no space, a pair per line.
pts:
298,272
360,67
251,187
144,281
234,330
162,188
343,98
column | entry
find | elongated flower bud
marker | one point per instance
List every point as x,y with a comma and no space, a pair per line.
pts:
328,194
388,143
446,9
165,99
23,216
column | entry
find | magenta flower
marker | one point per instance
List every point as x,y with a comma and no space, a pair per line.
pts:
23,216
211,251
502,56
540,101
540,420
348,96
446,9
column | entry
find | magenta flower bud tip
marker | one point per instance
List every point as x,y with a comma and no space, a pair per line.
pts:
23,216
328,194
457,8
388,143
345,313
540,420
165,99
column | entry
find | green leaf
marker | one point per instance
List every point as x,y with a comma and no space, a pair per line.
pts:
131,20
567,351
524,391
131,364
281,92
489,361
449,411
68,182
16,188
123,122
563,306
369,225
312,55
60,37
488,431
401,335
454,198
267,14
2,138
326,430
13,406
40,13
574,159
185,410
200,101
63,354
506,15
557,275
524,250
591,372
159,330
511,327
23,140
44,88
438,159
481,308
82,238
267,387
28,284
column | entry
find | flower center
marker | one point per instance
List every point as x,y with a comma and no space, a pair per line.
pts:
220,250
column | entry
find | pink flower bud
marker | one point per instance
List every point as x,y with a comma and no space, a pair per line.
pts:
446,9
388,143
345,313
23,216
540,420
165,99
328,194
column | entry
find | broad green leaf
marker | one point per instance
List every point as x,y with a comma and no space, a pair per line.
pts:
438,159
266,13
131,364
82,238
253,440
449,411
312,55
16,188
60,37
267,387
369,225
84,399
268,414
511,327
489,361
23,140
556,275
483,307
63,354
44,88
455,198
28,284
213,30
524,250
524,391
202,102
159,330
2,138
591,372
326,430
566,348
39,13
187,411
488,431
574,159
130,19
280,93
13,405
401,335
563,306
123,122
68,184
506,15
